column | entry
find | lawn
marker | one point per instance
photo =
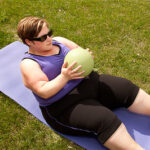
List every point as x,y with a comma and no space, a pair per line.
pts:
118,33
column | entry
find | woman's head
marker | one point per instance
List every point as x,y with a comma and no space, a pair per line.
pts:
30,27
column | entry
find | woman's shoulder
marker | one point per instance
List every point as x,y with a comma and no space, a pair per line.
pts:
26,63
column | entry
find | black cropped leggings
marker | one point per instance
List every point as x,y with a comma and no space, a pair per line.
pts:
87,109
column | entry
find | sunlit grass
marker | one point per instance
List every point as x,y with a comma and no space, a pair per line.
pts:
118,33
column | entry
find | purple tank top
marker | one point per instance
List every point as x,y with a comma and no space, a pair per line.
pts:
51,66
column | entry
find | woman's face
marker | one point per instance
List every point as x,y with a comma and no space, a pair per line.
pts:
42,46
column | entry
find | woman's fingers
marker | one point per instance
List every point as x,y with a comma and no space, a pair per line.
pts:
76,69
72,71
65,65
72,65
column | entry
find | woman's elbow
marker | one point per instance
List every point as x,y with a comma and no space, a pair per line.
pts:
42,94
38,91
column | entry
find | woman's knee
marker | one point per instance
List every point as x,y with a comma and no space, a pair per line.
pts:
121,140
141,103
108,124
95,118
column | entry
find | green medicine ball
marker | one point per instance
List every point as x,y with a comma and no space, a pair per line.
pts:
83,58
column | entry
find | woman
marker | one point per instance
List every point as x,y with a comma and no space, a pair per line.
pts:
70,103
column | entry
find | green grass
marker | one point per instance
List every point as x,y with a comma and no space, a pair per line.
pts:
118,33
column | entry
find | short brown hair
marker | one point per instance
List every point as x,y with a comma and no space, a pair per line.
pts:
30,27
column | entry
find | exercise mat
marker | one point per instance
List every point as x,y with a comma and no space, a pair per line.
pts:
11,85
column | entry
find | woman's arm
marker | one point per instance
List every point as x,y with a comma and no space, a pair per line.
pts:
70,44
36,80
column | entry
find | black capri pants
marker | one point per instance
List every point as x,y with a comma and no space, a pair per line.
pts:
87,109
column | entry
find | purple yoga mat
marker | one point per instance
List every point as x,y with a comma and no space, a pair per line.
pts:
11,85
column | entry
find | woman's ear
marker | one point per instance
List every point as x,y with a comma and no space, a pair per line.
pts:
28,42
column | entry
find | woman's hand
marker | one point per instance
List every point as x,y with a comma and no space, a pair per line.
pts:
69,73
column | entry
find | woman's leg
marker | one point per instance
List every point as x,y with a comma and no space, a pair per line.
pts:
118,92
141,104
121,140
92,116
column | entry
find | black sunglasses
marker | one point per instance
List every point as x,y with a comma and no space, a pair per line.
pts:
43,37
